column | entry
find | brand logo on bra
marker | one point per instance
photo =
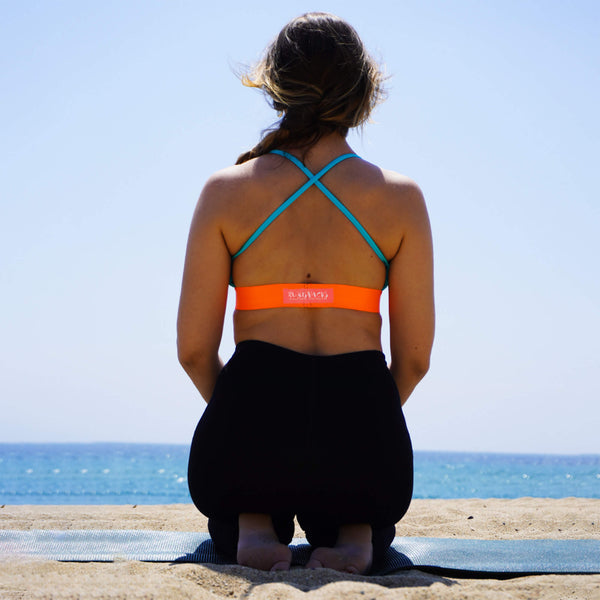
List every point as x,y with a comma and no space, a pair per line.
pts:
308,295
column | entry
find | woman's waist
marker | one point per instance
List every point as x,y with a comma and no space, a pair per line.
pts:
316,333
258,347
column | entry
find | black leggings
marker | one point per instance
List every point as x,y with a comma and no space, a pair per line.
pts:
320,437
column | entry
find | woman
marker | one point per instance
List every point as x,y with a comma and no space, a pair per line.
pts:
305,419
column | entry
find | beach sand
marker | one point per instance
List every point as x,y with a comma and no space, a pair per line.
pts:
567,518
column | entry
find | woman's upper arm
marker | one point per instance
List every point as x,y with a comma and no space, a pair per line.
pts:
412,314
205,278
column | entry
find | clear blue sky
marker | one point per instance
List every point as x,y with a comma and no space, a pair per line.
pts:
114,113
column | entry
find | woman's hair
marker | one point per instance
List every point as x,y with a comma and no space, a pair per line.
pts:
319,77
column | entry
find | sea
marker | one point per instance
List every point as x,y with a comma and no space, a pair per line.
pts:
115,473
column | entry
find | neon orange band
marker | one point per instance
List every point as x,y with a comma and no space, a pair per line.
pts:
307,295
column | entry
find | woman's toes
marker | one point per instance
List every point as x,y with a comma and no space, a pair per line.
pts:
347,558
326,558
264,554
313,563
282,565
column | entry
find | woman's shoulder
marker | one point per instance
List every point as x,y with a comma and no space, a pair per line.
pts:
407,201
234,197
388,181
223,181
405,193
226,187
397,191
247,175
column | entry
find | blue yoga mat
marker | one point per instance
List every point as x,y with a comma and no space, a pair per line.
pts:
466,557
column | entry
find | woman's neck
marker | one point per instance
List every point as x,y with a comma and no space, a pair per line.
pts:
327,148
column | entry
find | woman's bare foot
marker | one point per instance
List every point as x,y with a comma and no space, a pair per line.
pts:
258,545
353,552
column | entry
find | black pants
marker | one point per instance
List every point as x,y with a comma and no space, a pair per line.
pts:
320,437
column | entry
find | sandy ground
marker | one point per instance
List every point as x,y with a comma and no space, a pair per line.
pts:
522,518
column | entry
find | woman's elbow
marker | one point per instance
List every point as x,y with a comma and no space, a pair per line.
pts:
414,369
187,354
194,357
420,367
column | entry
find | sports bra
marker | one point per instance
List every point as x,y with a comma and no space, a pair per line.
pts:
310,295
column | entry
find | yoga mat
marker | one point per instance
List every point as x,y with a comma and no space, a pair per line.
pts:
466,557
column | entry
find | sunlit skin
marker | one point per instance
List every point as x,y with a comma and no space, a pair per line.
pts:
310,242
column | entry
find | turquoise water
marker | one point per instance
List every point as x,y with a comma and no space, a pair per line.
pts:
156,474
466,475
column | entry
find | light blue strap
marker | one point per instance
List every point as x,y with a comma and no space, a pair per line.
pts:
337,202
276,213
314,180
306,170
354,222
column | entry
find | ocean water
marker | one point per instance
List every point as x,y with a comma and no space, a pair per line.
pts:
156,474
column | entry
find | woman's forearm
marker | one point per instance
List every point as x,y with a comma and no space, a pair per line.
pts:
203,373
407,376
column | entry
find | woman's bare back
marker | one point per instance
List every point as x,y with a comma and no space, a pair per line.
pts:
312,241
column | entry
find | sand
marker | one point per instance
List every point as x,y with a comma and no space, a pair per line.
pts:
568,518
